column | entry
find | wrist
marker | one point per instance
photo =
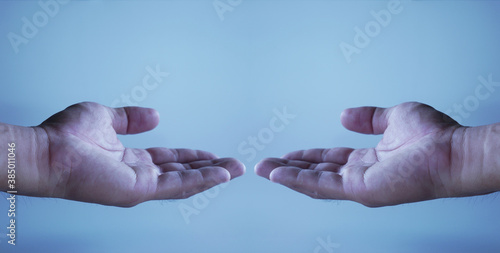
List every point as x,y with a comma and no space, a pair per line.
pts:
26,157
476,160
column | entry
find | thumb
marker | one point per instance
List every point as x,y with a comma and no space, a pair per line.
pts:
133,120
366,120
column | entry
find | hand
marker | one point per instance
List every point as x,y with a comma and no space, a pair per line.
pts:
88,163
412,162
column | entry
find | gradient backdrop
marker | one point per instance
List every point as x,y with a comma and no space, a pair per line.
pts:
230,65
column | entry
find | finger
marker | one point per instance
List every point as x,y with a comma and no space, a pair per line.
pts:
316,184
183,184
366,120
235,167
332,155
266,166
133,120
167,155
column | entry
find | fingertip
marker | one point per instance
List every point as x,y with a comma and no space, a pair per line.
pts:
344,116
226,177
262,168
274,176
239,169
351,118
235,167
244,168
256,168
153,116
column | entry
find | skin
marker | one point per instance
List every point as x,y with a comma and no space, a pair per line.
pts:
423,155
76,155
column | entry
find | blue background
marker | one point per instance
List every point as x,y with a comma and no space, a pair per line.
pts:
226,76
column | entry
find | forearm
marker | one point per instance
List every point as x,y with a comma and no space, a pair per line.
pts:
22,150
478,160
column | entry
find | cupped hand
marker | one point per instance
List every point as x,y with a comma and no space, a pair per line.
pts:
87,162
411,163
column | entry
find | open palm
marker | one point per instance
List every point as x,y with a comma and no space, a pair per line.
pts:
88,163
411,163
